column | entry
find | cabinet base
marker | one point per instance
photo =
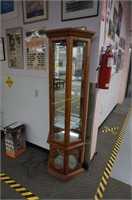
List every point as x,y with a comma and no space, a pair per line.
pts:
64,177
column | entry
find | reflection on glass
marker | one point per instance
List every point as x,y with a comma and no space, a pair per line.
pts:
58,159
59,89
74,158
78,59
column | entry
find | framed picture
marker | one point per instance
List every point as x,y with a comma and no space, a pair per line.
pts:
34,11
79,9
14,47
36,49
2,49
8,9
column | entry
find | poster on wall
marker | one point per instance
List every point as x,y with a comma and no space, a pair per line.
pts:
116,53
36,49
120,60
115,18
109,6
120,12
34,11
14,47
111,30
78,9
8,9
122,43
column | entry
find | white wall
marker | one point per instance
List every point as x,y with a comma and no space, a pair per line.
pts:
107,99
19,102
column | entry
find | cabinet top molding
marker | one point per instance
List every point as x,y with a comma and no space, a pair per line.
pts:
75,32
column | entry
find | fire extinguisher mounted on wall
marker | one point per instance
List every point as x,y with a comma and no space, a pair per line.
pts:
105,69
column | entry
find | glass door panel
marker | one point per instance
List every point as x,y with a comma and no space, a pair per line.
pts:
78,61
59,89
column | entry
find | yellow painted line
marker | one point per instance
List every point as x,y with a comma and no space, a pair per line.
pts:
10,181
109,129
112,163
2,174
4,178
99,192
119,139
15,185
105,182
111,158
21,189
118,142
109,165
33,198
101,185
26,193
116,150
106,175
107,171
95,198
117,145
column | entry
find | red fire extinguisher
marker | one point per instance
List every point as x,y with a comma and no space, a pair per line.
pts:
105,69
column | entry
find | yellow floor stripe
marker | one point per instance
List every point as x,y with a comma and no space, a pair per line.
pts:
106,175
112,158
116,150
107,171
15,185
33,198
111,162
26,193
23,191
4,178
117,145
99,192
113,155
20,189
95,198
101,185
10,181
2,174
118,142
109,166
105,182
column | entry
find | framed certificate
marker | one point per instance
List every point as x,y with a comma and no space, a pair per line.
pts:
2,49
14,47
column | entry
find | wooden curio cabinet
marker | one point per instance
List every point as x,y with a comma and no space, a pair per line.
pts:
68,81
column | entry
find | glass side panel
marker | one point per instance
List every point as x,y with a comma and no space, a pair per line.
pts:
78,60
74,159
59,89
58,159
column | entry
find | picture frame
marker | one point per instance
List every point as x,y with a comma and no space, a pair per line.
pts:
14,48
2,49
71,10
9,9
35,43
34,11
